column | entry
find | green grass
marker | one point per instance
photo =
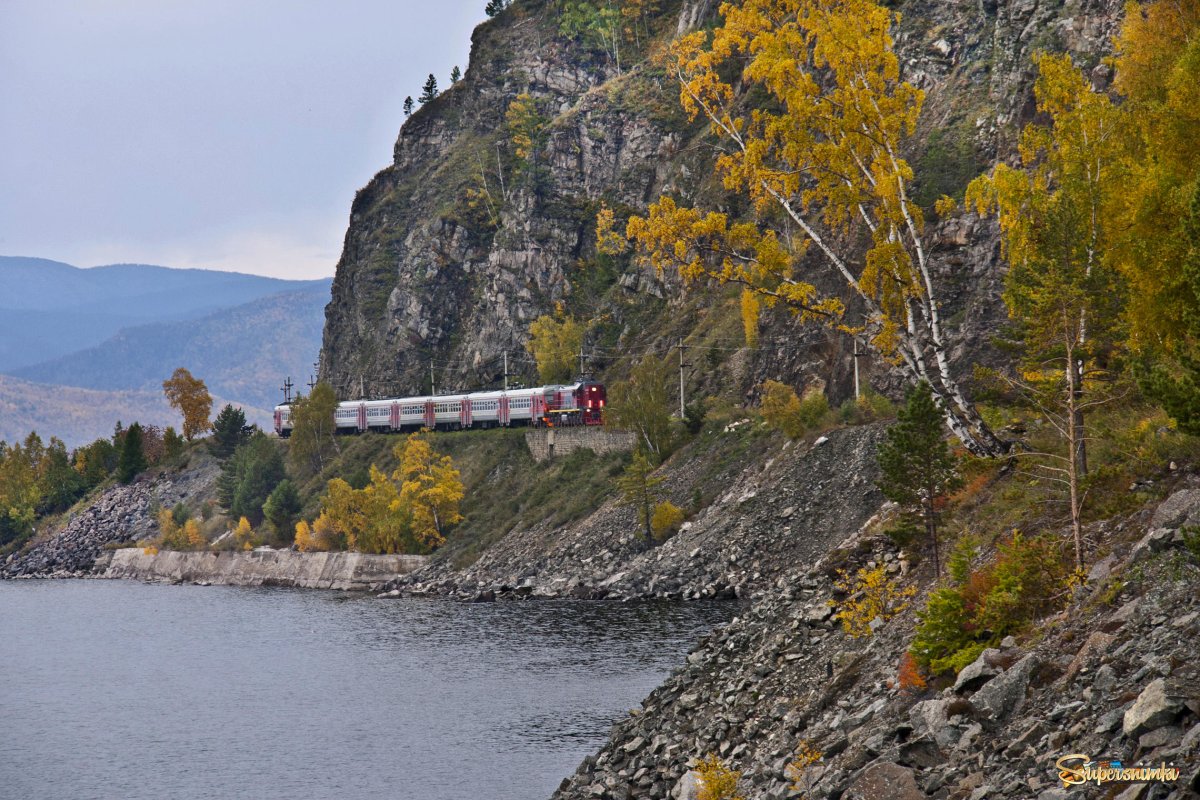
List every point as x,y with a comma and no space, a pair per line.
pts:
505,487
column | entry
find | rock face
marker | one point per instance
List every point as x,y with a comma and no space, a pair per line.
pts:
426,272
262,567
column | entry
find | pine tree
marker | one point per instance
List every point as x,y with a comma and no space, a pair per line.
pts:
172,444
639,488
229,431
408,106
429,90
282,508
916,465
133,460
494,7
249,478
455,74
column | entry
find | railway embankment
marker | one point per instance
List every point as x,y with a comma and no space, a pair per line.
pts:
263,566
758,507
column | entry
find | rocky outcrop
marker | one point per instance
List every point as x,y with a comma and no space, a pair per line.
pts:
776,510
120,514
260,567
424,274
1112,676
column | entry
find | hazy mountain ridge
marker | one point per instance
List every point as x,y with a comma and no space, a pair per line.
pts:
78,416
243,353
49,309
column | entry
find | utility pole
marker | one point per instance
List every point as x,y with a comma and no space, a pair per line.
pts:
362,392
506,370
432,385
681,366
287,390
581,360
312,383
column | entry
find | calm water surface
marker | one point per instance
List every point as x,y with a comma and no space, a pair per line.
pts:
113,689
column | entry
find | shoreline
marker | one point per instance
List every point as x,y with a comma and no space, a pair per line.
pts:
342,571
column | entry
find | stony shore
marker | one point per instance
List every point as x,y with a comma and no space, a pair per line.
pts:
1113,676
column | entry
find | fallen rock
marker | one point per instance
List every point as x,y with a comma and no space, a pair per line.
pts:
1005,694
884,780
1152,709
978,672
1177,509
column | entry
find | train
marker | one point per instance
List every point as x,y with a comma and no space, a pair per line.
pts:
580,403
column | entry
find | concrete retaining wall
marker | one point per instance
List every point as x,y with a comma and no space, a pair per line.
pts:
547,443
346,571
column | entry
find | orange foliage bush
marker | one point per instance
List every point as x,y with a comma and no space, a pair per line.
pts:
909,677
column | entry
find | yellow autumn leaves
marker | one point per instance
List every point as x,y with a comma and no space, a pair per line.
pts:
818,157
406,512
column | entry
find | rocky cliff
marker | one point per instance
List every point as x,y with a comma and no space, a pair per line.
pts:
432,272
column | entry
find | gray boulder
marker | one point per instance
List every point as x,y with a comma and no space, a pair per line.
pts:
884,780
1005,694
1153,708
978,672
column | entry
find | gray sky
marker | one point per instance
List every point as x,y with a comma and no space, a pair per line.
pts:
224,134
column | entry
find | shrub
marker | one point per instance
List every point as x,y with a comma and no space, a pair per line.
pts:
1026,580
666,519
814,409
910,676
1191,541
904,531
781,409
872,595
869,407
176,536
244,534
320,536
806,755
718,782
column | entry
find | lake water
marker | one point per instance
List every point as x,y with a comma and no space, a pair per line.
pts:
112,689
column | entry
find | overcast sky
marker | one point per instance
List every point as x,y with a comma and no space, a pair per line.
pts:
224,134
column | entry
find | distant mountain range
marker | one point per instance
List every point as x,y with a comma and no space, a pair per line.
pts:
243,352
86,347
49,309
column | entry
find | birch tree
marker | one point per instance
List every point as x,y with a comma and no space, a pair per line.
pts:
1054,215
821,162
430,490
